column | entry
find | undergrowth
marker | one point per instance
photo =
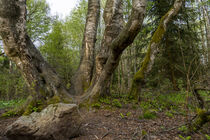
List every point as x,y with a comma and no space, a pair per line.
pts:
11,103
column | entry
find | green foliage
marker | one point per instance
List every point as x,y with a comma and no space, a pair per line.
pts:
96,105
10,103
145,105
122,116
38,19
12,85
207,137
116,103
185,138
128,114
59,54
149,114
169,114
143,133
183,128
8,114
31,109
75,24
105,101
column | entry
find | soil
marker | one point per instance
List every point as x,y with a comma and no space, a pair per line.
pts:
108,124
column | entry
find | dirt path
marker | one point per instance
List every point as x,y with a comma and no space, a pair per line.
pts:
110,125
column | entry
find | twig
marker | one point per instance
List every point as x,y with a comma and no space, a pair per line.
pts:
107,133
96,137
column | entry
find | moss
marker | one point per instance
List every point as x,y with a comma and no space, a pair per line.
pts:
30,108
134,91
157,36
202,118
87,103
140,74
55,99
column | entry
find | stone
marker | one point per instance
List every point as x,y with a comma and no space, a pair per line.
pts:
55,122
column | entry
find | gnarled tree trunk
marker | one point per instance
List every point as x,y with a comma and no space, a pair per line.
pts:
41,78
117,46
149,59
37,72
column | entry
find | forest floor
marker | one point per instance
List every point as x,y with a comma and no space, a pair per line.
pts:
113,120
109,124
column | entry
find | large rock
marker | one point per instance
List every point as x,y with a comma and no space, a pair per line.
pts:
56,122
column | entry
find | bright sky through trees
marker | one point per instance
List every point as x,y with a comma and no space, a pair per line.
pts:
62,7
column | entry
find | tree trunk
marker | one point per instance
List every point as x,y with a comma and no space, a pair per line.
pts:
204,48
149,59
113,18
117,46
42,79
82,79
207,27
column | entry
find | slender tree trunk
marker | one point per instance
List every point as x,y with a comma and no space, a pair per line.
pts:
171,64
207,27
149,59
42,79
82,79
203,38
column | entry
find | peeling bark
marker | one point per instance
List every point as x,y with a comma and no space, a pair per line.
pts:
118,45
82,79
113,18
149,59
41,78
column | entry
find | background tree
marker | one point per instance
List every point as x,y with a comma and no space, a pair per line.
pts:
38,20
149,59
